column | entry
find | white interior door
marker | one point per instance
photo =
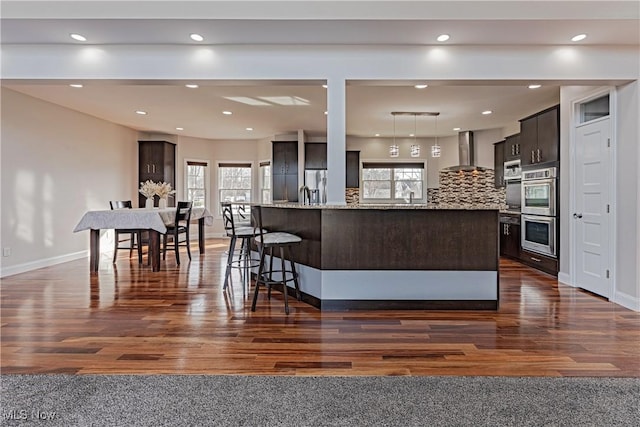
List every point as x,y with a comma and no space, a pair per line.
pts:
591,215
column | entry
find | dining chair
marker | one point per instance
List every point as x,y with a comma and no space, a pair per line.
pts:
134,235
179,226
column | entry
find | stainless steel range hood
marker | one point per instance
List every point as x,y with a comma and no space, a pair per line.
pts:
466,154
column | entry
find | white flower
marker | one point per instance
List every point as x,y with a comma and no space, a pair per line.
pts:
163,190
148,188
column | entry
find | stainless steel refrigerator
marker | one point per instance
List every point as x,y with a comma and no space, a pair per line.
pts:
316,182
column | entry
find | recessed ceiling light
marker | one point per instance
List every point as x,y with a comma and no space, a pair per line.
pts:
191,86
534,86
227,113
412,134
326,113
142,113
325,86
179,128
487,112
76,85
443,37
421,86
578,37
78,37
456,128
377,134
249,129
196,37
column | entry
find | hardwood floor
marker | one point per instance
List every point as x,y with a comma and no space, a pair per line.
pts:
127,319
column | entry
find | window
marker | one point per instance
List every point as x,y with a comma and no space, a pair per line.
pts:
197,183
265,182
234,182
594,109
392,181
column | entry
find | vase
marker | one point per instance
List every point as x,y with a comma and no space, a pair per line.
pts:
162,203
149,203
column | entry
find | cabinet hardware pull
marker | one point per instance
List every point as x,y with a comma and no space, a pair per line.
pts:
154,168
538,155
535,259
148,170
533,160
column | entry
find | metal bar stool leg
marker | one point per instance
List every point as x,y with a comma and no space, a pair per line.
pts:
295,273
232,248
259,279
284,281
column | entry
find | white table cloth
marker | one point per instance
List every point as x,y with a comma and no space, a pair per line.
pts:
154,220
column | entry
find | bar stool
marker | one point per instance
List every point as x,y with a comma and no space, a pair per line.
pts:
243,261
270,241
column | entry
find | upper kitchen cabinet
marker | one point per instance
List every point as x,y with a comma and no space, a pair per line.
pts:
512,147
353,169
315,156
285,171
540,137
498,163
156,162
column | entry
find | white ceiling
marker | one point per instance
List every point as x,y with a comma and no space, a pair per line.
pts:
199,111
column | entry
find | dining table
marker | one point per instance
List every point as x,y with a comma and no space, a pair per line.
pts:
153,220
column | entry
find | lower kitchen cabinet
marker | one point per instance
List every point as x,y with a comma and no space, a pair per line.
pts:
540,262
510,240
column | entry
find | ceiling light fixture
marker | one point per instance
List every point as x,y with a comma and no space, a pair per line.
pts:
76,85
487,112
421,86
443,37
227,113
435,148
414,150
142,113
249,129
179,128
377,134
394,150
78,37
456,129
578,37
196,37
534,86
191,86
325,86
326,113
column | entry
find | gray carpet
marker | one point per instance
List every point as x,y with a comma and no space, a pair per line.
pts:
197,400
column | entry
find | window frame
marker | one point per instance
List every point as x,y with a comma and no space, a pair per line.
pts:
207,180
392,167
231,164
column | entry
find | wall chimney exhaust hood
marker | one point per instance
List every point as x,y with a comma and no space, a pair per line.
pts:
466,154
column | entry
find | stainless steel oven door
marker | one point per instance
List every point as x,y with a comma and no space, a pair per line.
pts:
539,234
539,197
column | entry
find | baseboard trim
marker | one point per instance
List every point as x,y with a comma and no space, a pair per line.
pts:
41,263
564,278
627,301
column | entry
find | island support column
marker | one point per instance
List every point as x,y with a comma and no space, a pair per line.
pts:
336,141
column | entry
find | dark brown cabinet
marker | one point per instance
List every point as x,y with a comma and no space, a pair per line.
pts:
315,155
498,163
510,239
540,262
285,171
540,137
156,162
353,169
512,147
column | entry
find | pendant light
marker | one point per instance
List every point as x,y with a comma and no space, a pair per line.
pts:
394,150
415,148
435,148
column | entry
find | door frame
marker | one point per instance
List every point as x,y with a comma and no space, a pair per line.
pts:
612,184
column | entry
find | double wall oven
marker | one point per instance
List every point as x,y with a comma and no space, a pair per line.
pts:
539,211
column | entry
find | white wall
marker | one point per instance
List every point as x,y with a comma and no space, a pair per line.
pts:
56,165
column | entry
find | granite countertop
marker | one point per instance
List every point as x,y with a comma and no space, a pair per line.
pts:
429,206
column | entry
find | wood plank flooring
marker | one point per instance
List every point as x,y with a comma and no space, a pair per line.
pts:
127,319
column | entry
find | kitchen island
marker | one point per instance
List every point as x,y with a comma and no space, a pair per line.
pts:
393,256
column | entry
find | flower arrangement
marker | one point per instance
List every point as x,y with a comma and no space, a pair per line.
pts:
163,190
148,188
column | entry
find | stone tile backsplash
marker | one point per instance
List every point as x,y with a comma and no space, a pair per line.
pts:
468,187
352,196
